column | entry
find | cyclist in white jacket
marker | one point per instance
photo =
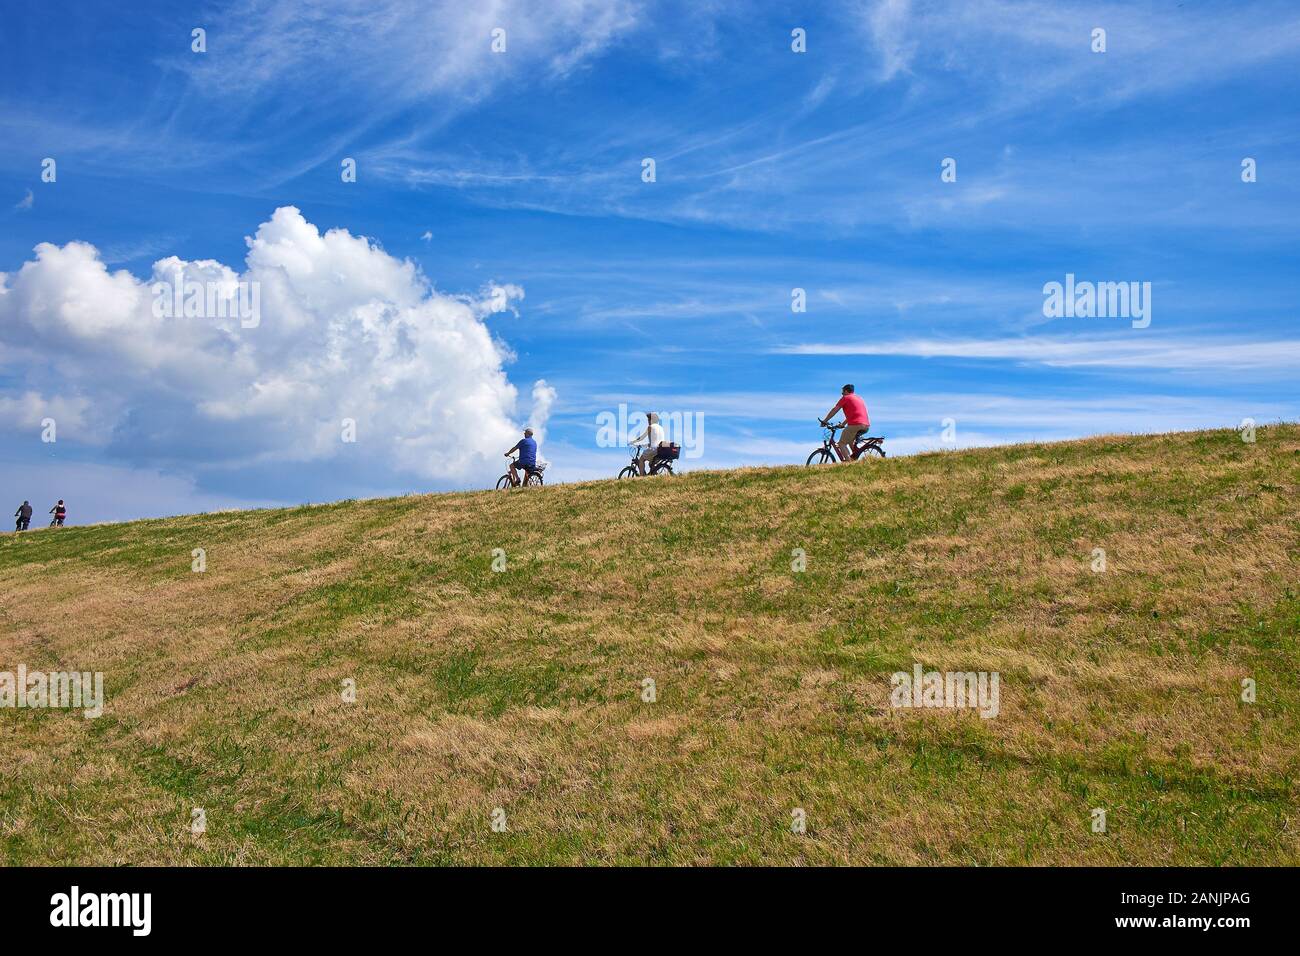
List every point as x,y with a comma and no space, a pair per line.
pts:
652,436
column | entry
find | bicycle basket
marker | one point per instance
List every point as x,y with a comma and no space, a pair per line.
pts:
669,452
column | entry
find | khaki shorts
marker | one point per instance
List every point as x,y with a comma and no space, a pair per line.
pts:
851,433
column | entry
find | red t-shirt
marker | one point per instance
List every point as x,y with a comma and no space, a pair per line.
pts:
854,408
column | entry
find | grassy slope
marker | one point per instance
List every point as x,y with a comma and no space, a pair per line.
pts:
522,689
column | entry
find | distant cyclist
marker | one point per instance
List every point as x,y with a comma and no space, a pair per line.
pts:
60,512
24,516
856,421
527,460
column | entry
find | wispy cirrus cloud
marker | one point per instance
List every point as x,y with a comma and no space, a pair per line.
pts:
1132,352
296,82
1059,411
1023,68
1043,47
888,24
401,49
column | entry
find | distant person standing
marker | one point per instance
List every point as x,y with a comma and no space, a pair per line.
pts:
59,512
24,516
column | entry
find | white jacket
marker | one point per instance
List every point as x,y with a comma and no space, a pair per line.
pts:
654,434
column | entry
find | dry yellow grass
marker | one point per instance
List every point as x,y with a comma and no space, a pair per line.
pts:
523,690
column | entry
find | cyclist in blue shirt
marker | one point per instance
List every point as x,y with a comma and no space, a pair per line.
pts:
527,460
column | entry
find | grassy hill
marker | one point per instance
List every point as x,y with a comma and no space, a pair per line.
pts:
522,689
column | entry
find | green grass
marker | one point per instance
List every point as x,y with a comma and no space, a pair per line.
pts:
523,689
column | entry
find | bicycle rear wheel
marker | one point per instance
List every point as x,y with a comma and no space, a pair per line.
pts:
534,479
870,450
820,457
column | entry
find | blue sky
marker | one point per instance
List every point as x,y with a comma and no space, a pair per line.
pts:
510,239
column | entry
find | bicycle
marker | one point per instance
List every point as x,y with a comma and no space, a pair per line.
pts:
662,461
829,452
532,476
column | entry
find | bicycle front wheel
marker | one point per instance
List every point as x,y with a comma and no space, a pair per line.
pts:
628,472
820,457
503,482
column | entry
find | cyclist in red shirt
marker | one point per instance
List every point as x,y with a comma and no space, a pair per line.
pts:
856,421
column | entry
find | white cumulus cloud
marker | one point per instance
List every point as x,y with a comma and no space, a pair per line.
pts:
345,331
543,398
